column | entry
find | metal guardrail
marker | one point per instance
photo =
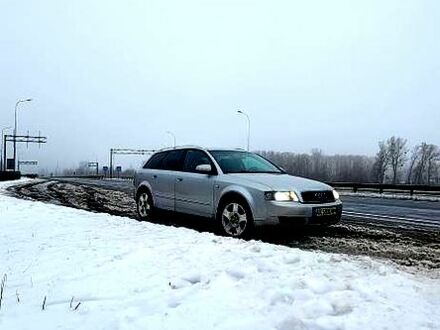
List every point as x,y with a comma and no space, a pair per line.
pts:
382,187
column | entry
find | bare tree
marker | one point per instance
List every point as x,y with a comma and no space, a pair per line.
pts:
427,158
381,163
414,158
436,173
396,149
432,162
319,165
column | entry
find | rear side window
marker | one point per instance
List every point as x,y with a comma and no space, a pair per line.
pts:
195,158
173,161
155,161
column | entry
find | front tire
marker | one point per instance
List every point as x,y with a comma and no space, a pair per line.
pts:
144,206
235,219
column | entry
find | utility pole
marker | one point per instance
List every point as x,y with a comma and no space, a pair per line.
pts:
174,138
249,127
1,156
15,128
111,163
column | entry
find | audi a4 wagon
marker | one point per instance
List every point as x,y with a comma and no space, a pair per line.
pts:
238,189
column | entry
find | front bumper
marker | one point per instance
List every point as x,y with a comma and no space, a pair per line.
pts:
299,213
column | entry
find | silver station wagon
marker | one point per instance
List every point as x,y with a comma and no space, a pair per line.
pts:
238,189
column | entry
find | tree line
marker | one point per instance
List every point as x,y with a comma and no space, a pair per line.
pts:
396,164
393,163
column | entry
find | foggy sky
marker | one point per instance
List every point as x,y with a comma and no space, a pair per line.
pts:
334,75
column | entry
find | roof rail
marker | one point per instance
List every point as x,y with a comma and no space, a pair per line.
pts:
182,147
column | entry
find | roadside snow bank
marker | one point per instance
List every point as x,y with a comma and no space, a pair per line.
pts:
132,275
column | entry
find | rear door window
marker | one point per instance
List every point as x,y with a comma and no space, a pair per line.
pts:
155,161
173,160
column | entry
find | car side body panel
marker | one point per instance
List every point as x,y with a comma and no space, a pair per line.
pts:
194,193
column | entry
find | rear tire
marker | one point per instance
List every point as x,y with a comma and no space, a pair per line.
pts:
145,208
234,218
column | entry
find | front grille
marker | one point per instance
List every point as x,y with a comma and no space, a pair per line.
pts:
317,197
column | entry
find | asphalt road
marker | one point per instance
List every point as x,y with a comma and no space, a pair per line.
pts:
405,214
393,212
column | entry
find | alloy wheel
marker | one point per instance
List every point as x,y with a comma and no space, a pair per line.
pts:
144,205
234,219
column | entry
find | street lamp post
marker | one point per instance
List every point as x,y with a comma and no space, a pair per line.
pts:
2,146
15,128
249,127
174,137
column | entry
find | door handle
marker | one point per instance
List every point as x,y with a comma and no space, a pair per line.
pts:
154,176
179,179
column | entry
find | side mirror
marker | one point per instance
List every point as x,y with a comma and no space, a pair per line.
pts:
204,168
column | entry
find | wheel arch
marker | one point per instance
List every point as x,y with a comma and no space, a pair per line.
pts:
233,194
144,187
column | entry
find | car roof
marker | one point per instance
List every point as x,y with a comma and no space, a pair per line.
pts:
180,148
199,148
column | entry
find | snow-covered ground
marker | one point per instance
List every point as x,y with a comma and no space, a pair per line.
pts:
132,275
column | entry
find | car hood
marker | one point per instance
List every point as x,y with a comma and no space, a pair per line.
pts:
282,182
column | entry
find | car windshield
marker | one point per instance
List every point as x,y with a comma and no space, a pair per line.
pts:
243,162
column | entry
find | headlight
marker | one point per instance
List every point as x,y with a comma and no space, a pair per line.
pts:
335,194
281,196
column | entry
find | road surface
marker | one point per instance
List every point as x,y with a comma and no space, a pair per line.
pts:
392,212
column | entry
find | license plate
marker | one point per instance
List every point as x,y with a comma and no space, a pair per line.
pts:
325,211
